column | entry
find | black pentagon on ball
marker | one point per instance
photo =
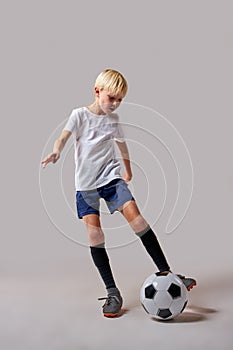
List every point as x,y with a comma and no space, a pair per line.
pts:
174,290
150,291
164,313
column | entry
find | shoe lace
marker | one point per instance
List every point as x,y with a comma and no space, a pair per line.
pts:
109,299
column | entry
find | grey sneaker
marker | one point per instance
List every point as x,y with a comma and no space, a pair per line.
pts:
188,282
113,303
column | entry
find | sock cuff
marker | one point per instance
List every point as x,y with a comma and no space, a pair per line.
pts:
113,291
141,233
101,245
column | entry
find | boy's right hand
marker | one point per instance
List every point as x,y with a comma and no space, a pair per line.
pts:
51,158
57,148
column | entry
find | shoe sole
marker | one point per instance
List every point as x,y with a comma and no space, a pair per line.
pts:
191,286
111,315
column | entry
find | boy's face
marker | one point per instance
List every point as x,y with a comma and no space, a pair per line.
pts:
107,100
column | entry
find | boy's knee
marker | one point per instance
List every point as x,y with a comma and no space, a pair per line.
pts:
91,220
95,234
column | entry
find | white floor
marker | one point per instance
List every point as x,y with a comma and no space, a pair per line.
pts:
54,313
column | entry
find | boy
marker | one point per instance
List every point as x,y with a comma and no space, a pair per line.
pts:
97,175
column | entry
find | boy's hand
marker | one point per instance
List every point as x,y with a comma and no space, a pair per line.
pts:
57,148
127,177
51,158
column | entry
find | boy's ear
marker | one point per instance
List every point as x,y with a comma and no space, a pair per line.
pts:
97,91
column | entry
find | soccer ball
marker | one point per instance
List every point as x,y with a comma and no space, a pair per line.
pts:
163,296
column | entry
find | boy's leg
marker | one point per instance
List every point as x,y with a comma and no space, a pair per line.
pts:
141,228
113,303
97,249
149,240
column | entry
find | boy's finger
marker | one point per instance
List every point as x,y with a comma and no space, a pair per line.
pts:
45,162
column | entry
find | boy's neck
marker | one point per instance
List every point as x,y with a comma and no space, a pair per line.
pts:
95,108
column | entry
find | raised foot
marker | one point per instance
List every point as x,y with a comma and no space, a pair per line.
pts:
188,282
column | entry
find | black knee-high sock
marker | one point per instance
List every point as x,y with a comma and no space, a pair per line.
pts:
101,261
152,246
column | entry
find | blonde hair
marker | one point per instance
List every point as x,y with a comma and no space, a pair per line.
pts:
113,81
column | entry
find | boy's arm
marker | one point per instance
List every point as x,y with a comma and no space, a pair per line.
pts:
125,156
57,148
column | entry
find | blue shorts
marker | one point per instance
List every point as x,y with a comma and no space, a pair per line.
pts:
115,194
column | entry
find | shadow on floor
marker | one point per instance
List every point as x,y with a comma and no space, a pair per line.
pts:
199,314
200,309
185,317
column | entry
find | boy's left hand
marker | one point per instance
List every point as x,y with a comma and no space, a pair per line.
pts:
127,177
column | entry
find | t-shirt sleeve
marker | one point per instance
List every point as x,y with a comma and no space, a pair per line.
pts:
119,135
72,123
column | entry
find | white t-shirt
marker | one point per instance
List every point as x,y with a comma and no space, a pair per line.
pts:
95,158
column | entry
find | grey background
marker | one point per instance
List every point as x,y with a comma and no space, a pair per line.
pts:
177,58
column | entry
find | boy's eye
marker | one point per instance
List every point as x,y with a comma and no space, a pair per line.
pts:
112,98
